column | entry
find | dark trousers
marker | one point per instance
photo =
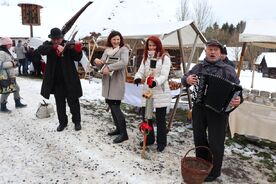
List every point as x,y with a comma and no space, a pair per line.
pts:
74,105
116,112
160,123
24,64
205,119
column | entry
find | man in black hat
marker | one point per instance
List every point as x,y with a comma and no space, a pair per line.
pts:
225,59
208,125
61,77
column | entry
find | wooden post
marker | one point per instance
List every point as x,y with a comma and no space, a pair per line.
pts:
253,72
192,53
31,31
181,51
240,64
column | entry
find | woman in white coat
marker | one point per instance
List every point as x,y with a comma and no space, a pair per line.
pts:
159,87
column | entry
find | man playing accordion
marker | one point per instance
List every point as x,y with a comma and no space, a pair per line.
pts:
208,125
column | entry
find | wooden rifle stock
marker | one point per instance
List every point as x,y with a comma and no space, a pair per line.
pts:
67,26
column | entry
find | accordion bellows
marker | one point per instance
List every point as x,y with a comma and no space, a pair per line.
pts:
215,92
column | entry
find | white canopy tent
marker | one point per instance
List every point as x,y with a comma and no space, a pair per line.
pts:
258,33
167,32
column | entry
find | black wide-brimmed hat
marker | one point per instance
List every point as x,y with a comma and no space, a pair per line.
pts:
55,33
214,42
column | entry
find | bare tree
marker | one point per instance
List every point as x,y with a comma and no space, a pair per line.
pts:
184,13
203,14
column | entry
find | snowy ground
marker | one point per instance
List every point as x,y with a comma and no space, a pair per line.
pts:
31,151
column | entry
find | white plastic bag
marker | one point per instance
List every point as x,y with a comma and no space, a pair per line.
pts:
44,110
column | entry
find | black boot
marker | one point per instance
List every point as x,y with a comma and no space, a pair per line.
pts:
77,126
123,133
18,104
114,132
4,107
150,136
61,127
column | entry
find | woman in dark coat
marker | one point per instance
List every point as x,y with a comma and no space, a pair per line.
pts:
61,77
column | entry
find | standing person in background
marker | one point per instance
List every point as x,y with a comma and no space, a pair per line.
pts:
113,81
225,59
61,77
21,57
8,66
37,59
160,88
209,126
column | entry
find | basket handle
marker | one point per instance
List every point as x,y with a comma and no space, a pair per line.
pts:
200,147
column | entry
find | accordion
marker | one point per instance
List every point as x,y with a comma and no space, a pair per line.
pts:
215,93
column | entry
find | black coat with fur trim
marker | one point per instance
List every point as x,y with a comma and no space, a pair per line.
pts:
60,71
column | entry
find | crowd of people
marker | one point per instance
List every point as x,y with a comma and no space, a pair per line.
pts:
61,79
28,59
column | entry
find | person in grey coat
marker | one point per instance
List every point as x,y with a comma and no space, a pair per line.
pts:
113,81
209,126
8,66
21,51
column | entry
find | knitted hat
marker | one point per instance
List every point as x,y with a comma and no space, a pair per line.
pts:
5,41
224,51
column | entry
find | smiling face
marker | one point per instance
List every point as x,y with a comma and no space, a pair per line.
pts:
115,41
151,46
213,53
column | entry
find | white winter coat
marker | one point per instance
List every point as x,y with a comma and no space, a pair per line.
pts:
161,92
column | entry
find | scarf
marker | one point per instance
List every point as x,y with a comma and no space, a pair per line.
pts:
112,51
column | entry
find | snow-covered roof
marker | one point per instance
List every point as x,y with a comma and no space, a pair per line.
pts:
270,59
260,33
167,32
233,53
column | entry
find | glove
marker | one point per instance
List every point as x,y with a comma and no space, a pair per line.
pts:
153,84
137,81
58,53
78,47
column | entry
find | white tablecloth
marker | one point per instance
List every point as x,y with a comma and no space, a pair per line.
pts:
255,120
133,94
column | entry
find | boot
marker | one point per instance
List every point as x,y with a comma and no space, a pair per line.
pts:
4,107
150,136
116,131
123,132
18,104
61,127
77,126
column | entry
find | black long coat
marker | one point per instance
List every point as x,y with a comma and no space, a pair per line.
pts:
69,72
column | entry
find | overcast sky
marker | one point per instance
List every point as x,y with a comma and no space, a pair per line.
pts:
231,11
56,12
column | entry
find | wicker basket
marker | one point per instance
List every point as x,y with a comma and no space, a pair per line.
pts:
194,169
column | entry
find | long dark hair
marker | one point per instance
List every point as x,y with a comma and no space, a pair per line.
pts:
111,35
